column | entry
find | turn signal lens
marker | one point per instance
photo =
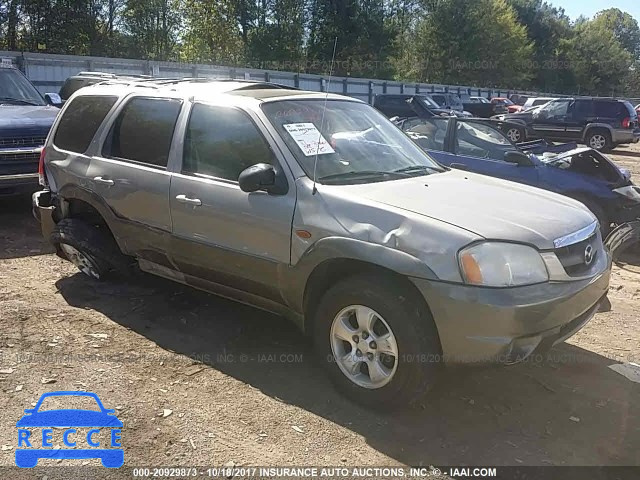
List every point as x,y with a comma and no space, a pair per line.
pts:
471,269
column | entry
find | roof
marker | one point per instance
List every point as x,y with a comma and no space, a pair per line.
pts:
202,88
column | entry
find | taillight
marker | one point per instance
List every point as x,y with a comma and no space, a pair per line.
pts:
42,178
626,123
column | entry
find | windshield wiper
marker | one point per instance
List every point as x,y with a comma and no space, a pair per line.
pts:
364,174
18,100
419,168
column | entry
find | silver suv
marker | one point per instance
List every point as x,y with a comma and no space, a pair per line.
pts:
394,264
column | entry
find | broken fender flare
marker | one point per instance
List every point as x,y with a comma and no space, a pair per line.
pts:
621,238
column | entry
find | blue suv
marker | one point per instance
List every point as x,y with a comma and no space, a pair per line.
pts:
580,173
25,119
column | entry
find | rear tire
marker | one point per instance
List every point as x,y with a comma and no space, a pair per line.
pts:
92,249
395,318
599,140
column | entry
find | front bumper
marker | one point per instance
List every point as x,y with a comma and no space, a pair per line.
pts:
492,325
623,135
17,183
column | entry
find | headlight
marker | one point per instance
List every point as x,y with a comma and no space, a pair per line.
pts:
498,264
631,192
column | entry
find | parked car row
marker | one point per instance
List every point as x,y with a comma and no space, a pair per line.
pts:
316,207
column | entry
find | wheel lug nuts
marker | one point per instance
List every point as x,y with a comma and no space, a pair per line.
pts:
356,339
365,335
373,345
370,356
358,353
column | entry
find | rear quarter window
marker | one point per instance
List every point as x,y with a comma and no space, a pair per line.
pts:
610,109
80,121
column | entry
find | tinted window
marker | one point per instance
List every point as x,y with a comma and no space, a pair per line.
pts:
582,109
609,109
221,142
72,85
143,131
14,84
557,108
439,99
80,122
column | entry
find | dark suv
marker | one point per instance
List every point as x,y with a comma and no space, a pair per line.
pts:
25,120
601,123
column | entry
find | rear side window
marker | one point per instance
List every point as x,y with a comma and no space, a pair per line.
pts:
221,142
80,122
143,131
630,110
609,109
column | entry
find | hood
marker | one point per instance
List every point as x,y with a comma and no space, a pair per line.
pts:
25,119
489,207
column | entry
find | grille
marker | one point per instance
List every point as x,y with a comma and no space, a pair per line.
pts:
572,257
22,142
19,157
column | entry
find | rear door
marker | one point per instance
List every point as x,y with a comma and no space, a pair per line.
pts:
130,172
580,114
220,233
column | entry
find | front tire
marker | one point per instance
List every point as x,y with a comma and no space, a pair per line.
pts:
515,134
378,341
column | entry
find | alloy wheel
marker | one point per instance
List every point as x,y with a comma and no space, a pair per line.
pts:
514,135
364,346
81,260
597,141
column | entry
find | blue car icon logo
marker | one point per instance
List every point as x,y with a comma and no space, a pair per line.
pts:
70,420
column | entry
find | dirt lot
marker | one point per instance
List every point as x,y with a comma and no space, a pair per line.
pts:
198,380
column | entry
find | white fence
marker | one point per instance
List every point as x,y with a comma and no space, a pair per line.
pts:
48,72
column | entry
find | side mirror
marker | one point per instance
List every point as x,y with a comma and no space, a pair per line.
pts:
53,99
261,176
519,158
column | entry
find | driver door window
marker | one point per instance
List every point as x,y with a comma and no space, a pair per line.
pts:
553,110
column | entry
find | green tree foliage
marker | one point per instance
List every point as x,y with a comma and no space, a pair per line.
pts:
456,45
491,43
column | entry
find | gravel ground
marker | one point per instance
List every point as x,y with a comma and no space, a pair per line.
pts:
199,380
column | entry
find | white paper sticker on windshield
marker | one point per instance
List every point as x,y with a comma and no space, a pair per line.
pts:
308,138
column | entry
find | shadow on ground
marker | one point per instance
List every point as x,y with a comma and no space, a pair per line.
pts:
626,153
20,234
567,409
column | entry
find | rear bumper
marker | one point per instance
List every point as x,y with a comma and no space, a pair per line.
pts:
43,211
489,325
620,135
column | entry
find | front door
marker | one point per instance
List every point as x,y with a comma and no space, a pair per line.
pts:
220,233
550,122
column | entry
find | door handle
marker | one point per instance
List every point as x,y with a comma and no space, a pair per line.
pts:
190,201
104,181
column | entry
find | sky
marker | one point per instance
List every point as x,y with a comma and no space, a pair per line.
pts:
575,8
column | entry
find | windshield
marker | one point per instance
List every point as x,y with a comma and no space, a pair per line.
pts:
16,89
355,143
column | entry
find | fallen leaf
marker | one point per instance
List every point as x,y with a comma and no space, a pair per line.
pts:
7,371
48,380
18,388
166,412
6,447
297,429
